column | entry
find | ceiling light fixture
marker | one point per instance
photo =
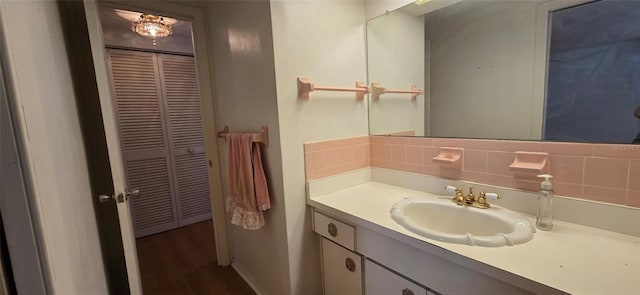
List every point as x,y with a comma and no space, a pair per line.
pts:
151,26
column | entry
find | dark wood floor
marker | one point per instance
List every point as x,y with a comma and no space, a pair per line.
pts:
183,261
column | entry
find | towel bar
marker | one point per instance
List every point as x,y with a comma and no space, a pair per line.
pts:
261,136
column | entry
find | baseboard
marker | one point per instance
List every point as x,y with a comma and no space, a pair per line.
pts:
247,278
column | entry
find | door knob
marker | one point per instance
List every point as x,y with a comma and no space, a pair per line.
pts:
132,194
128,194
105,198
120,197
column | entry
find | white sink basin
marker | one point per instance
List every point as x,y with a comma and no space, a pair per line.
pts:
443,220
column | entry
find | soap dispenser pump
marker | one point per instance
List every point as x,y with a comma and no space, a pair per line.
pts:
544,220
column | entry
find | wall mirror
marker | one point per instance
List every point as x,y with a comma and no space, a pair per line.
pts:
561,70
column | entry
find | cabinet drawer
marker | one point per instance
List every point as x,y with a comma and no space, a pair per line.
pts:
342,270
380,281
334,230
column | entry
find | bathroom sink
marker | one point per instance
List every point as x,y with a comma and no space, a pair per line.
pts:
443,220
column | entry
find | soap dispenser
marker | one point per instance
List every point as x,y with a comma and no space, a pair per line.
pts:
544,220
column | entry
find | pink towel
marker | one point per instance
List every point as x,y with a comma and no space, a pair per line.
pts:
248,193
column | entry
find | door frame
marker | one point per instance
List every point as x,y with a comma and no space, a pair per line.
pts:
207,104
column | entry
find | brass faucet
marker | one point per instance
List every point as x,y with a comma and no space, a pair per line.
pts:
470,199
459,199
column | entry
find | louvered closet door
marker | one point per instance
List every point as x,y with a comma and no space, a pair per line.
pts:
146,151
186,137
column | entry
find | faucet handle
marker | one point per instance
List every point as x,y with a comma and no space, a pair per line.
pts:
459,198
492,196
481,202
452,189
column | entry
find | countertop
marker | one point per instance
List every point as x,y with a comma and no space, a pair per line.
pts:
572,258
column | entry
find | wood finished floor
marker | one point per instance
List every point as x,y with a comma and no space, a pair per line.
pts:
183,261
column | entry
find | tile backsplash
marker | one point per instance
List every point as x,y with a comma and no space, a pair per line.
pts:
601,172
332,157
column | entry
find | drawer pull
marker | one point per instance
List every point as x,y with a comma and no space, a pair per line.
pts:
333,229
407,291
350,264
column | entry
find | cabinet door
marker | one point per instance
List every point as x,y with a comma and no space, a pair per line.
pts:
342,270
380,281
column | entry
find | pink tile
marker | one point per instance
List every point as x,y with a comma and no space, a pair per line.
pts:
384,152
390,139
321,173
333,170
525,146
307,165
318,159
415,155
633,198
353,141
416,168
431,170
375,139
498,163
526,184
501,180
399,153
567,168
351,153
373,150
425,141
367,152
567,189
475,160
634,175
628,151
481,144
308,147
568,148
448,142
385,164
474,176
334,157
429,153
606,172
450,174
401,166
320,145
361,152
602,194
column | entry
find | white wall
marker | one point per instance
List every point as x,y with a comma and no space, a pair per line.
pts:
242,51
396,58
54,148
375,8
482,67
323,40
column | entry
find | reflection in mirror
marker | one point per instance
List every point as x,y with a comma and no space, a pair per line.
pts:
594,73
479,63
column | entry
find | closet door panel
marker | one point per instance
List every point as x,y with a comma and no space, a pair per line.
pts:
136,86
153,209
186,136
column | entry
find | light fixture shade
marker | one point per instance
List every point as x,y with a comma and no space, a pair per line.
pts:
151,26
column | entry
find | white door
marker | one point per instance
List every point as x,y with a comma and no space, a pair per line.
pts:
113,145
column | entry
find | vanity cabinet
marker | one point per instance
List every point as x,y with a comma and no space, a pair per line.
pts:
359,261
380,281
334,230
341,270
